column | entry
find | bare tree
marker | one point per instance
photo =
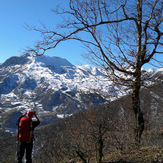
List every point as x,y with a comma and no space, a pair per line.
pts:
120,36
86,134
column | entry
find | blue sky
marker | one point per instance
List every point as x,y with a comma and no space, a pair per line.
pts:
14,14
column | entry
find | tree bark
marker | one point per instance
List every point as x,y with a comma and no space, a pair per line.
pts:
100,147
139,119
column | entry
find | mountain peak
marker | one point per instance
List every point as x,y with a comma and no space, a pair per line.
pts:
52,60
47,60
16,60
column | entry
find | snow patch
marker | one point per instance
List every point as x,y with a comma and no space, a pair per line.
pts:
61,116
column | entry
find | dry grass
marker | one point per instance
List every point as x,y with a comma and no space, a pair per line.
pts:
143,155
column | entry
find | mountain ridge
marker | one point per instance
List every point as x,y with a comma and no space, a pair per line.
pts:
49,85
52,86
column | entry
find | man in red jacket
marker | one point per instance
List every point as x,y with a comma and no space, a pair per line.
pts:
25,135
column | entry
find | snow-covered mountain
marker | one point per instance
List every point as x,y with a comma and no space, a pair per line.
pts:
50,85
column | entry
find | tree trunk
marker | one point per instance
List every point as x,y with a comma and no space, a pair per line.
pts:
139,119
100,147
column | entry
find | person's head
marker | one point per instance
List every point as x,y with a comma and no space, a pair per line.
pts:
30,114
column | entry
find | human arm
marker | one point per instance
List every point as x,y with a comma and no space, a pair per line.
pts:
36,116
37,122
20,118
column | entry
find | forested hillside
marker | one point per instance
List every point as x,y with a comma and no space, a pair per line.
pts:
100,134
